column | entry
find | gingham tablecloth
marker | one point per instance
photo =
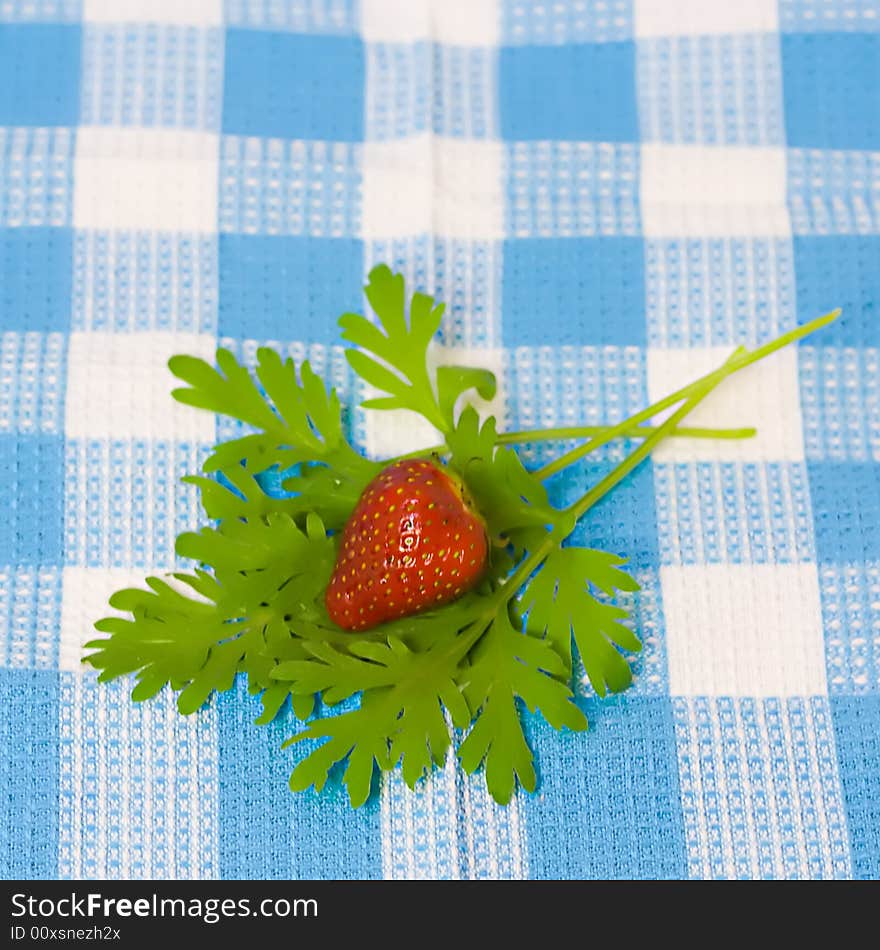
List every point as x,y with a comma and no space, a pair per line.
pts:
610,194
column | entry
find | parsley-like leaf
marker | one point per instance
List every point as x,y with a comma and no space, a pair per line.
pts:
297,418
454,381
400,718
396,361
560,605
507,666
506,495
255,605
238,618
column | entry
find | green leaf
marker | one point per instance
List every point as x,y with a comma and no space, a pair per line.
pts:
377,375
401,716
228,390
239,496
560,604
169,638
298,419
357,736
507,666
315,489
393,357
507,496
454,381
267,581
254,605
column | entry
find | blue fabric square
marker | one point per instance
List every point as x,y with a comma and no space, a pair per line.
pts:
846,511
830,89
287,288
857,733
579,92
842,270
267,831
608,803
574,291
35,278
849,609
825,16
294,86
29,774
31,499
39,74
124,502
127,75
712,89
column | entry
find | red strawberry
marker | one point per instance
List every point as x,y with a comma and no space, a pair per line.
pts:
412,542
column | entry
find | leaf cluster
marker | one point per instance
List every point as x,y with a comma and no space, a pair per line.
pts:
460,675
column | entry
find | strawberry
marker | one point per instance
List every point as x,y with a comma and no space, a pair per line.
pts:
412,542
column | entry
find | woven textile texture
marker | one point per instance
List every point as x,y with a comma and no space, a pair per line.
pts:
610,195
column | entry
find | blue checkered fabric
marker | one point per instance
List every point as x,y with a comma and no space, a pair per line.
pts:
610,195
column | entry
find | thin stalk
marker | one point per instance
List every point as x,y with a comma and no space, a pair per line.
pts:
632,427
571,514
620,430
636,432
738,360
586,432
693,395
637,456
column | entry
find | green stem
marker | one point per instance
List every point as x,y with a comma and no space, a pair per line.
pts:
632,427
738,360
585,432
570,515
635,432
693,395
635,458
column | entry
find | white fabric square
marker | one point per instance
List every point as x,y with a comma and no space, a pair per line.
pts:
426,184
702,17
447,22
764,395
397,191
391,432
713,190
395,21
468,189
119,386
85,595
465,23
145,180
743,630
195,12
